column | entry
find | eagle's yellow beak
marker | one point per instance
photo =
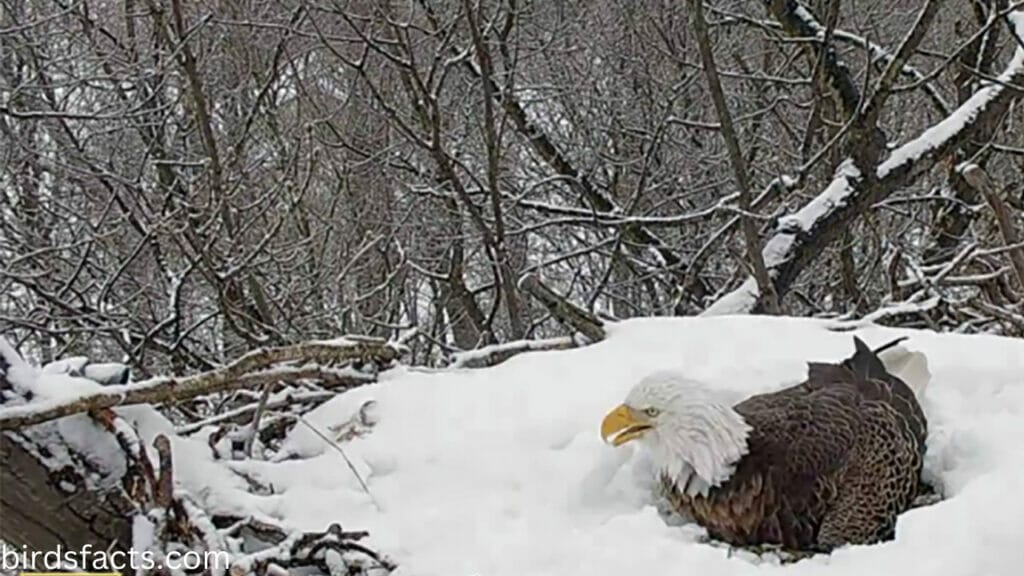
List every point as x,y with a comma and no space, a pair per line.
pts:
622,425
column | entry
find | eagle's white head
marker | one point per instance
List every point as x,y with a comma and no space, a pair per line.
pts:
694,434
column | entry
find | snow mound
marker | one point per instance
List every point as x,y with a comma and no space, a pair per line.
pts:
501,471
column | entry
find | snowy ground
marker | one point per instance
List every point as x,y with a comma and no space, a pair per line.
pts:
502,472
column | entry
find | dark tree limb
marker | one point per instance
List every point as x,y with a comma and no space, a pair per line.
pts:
797,22
751,241
566,312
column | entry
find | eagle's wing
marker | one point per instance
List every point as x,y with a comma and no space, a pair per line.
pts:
805,431
842,450
801,440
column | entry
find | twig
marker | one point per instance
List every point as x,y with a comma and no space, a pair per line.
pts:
254,428
498,353
979,180
351,467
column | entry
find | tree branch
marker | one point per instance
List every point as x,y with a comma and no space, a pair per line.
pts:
566,312
802,236
739,167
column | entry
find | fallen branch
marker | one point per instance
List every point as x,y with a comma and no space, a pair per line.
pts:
498,353
251,371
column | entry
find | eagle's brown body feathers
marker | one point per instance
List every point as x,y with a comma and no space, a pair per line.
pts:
831,461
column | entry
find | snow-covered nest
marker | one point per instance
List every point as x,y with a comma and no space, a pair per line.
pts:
501,471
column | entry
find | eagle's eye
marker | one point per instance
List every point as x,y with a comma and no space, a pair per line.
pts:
652,412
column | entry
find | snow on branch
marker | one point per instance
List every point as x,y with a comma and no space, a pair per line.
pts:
781,246
995,96
878,53
498,353
802,236
311,360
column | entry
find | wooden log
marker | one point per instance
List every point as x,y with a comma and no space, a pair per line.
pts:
45,509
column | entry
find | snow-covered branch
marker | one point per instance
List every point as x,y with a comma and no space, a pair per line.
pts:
312,360
497,353
802,236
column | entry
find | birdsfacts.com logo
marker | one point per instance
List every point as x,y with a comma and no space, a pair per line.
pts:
99,561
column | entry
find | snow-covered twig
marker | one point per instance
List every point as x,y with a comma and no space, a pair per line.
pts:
339,450
498,353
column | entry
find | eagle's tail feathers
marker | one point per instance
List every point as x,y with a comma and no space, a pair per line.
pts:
865,363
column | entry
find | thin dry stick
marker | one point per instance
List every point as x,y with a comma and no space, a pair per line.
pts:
977,178
254,427
351,467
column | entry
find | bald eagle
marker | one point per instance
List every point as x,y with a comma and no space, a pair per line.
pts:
831,461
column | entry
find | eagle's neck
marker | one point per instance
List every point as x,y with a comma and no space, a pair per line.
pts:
701,446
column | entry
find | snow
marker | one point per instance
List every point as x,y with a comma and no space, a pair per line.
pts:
53,384
833,196
107,373
740,301
501,471
70,365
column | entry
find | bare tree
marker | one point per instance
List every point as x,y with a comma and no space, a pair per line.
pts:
184,183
